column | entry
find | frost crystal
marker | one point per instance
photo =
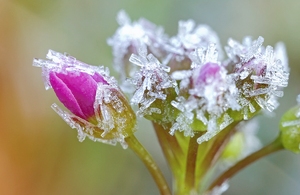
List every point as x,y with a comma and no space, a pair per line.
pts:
260,73
190,38
211,92
151,82
129,37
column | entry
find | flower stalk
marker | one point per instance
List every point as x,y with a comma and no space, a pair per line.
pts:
151,165
275,146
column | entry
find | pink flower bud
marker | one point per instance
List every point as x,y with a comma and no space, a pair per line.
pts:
99,108
76,90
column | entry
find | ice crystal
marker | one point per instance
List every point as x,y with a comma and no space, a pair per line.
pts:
85,128
150,82
129,37
191,37
211,92
260,71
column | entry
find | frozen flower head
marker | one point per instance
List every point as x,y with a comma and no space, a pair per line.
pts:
98,108
207,91
129,37
261,73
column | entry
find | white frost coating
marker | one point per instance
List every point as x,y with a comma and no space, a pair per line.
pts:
191,37
246,51
213,128
58,60
204,55
129,37
213,92
87,130
150,82
183,122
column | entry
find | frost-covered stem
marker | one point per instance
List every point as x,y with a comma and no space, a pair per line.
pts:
275,146
191,161
151,165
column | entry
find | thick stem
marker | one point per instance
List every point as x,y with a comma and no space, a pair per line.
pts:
151,165
276,145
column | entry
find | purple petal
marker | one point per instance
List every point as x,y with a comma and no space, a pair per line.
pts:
83,87
65,95
207,73
99,79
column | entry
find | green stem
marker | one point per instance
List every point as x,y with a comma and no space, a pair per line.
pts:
191,163
170,146
156,173
276,145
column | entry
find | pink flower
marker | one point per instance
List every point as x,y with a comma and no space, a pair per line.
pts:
76,90
99,108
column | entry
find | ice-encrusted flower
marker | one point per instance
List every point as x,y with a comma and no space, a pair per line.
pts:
261,73
128,38
207,91
99,110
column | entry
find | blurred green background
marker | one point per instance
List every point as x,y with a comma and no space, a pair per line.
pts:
40,154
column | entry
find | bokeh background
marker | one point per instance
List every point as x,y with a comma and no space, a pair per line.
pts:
40,154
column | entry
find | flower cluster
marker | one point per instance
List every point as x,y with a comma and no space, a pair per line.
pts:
200,99
209,92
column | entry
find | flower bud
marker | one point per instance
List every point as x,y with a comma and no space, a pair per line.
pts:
155,89
129,37
260,72
290,129
98,108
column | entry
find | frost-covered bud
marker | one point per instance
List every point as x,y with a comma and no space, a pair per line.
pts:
128,38
290,129
260,74
98,108
207,92
154,88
